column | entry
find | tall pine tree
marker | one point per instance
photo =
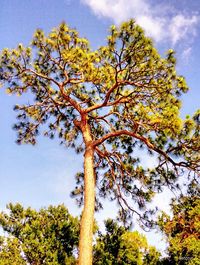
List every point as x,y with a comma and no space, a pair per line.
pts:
106,103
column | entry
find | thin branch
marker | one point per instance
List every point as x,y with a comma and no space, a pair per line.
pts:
97,106
42,76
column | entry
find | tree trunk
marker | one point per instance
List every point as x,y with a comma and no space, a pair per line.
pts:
87,220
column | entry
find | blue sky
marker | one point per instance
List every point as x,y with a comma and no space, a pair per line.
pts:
42,175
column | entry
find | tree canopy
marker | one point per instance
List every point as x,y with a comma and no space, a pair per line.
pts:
48,236
120,246
182,230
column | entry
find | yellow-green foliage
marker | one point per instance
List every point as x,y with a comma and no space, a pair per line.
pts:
183,230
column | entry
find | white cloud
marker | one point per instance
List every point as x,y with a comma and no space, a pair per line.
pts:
158,21
153,27
182,26
117,10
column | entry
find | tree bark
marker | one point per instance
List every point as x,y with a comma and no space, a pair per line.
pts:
87,219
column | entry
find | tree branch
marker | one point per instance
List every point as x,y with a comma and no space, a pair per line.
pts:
42,76
144,140
70,100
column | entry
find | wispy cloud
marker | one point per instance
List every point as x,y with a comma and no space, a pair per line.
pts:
182,26
159,21
186,54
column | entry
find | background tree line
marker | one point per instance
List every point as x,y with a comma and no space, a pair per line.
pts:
50,236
